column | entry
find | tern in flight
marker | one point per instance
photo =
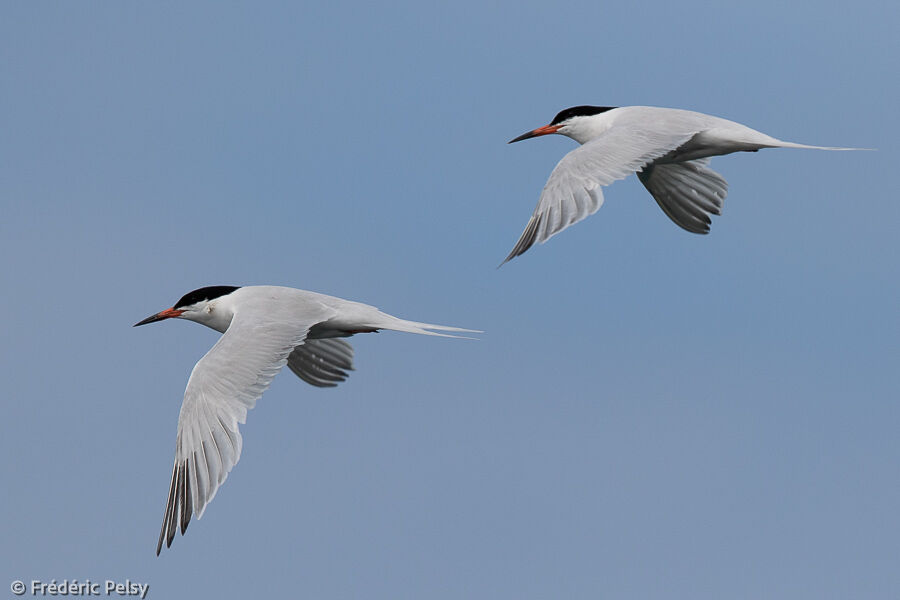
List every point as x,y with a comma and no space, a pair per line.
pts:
265,328
668,148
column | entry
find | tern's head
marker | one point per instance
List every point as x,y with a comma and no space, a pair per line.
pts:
577,122
198,305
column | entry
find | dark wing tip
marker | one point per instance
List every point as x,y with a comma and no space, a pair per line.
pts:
526,240
185,499
178,506
322,362
166,516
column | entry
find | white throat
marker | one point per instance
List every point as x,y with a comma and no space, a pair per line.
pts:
215,314
585,129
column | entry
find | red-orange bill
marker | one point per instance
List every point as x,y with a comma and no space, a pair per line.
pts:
165,314
546,129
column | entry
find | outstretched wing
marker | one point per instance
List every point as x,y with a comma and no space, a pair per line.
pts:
688,192
224,385
322,363
573,190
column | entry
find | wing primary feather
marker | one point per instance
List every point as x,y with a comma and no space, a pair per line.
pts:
203,475
314,370
335,360
317,363
336,351
172,526
217,455
696,191
169,502
687,192
215,464
186,507
685,219
526,240
194,483
228,436
175,505
341,352
687,205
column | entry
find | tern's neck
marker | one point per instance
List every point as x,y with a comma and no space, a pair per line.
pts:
585,129
215,314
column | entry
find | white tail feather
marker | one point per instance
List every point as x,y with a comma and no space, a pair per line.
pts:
808,147
385,321
423,328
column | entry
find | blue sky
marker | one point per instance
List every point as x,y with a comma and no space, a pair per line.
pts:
650,414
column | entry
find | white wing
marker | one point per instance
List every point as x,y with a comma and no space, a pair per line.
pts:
224,385
573,190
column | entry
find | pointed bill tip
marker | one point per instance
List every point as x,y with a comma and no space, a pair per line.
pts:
524,136
545,130
165,314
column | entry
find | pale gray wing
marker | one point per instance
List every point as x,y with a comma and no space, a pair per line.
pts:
573,190
224,385
322,363
688,192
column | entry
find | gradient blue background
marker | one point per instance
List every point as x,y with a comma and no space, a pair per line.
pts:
650,414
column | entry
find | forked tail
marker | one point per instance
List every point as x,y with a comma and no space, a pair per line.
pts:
423,328
808,147
385,321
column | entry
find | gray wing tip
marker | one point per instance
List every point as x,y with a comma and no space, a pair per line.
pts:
319,374
178,506
526,240
322,362
688,222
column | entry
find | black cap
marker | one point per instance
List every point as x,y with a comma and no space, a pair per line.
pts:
579,111
205,293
